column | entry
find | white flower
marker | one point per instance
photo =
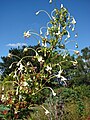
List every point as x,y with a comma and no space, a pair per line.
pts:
39,42
44,44
18,63
2,88
74,63
41,32
20,97
27,34
61,5
76,35
73,21
3,98
68,36
10,55
15,111
46,111
25,49
54,18
47,32
28,63
40,59
76,52
58,33
50,1
10,66
73,29
9,74
59,74
76,46
37,13
54,94
17,91
15,74
20,67
48,68
37,54
63,78
21,87
25,84
68,18
69,26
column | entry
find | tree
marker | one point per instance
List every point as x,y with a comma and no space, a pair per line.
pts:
16,55
81,75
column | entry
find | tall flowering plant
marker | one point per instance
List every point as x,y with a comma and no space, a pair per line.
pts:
28,79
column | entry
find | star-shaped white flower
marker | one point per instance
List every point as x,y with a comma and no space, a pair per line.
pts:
63,78
46,111
25,84
58,33
27,34
20,66
73,21
44,44
59,74
2,88
40,59
48,68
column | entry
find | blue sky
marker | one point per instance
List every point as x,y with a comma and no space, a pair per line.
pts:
17,16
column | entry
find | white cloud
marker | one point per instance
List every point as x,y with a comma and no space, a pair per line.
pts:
16,44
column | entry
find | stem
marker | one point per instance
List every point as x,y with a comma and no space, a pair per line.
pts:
42,28
70,41
15,56
45,87
52,13
26,57
12,64
45,12
32,32
33,50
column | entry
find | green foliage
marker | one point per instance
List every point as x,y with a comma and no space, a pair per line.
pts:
3,111
69,104
7,61
81,75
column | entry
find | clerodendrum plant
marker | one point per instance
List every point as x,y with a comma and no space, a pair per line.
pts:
29,79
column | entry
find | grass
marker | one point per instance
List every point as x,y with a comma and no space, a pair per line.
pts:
71,112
